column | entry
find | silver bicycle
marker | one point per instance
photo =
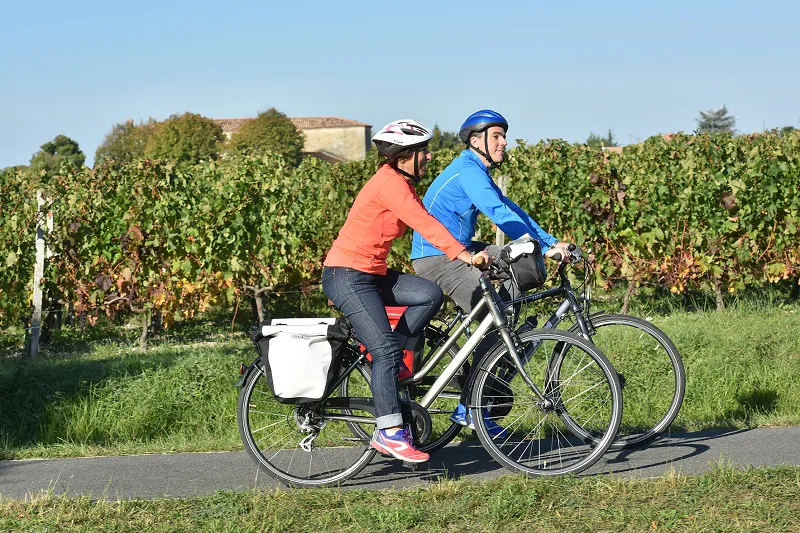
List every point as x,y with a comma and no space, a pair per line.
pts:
554,394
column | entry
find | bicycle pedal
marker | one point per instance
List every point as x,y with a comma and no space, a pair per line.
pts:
411,466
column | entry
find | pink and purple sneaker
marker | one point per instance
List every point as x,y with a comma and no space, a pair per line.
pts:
398,444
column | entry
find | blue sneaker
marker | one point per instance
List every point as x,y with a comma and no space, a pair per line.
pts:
463,417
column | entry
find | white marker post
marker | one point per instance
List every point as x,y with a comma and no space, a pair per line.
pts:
499,236
38,274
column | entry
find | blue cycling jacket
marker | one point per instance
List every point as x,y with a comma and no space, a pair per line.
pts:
459,192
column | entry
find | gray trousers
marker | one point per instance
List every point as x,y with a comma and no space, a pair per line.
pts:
461,282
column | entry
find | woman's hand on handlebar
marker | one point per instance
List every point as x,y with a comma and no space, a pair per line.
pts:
482,260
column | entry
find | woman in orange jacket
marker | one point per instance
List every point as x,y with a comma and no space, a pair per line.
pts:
358,281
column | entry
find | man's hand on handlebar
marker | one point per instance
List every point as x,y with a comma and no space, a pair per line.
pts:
561,252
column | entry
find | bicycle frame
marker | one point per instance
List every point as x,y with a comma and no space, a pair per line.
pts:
570,303
495,317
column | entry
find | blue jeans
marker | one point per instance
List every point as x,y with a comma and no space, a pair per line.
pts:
362,298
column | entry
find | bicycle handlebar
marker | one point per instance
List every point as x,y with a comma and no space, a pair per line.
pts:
499,267
573,256
479,261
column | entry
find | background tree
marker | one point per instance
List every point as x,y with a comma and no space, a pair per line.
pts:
126,141
716,121
271,131
185,139
62,154
4,172
596,141
444,140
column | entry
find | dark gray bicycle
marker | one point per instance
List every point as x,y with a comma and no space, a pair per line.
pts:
648,364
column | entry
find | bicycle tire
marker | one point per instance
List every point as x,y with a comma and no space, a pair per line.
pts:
651,373
272,434
537,430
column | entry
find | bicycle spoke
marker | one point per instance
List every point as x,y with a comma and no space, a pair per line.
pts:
273,434
651,372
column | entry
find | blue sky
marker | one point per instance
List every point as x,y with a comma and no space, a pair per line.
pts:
554,69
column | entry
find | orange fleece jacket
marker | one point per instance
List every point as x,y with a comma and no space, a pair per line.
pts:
385,207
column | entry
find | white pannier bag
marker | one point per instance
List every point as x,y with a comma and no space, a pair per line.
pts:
301,356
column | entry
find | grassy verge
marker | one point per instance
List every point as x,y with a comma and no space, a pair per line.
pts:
115,399
93,393
725,499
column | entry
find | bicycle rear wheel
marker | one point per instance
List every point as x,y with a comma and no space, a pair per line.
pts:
650,372
537,438
299,445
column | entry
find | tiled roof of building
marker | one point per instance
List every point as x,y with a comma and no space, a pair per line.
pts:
309,123
615,149
232,125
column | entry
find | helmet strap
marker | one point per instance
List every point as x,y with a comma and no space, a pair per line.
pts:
415,177
412,177
485,154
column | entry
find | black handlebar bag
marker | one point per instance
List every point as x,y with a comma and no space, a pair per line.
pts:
301,356
525,263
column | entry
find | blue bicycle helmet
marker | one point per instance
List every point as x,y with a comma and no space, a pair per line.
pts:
479,121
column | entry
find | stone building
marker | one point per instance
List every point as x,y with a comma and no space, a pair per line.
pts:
329,138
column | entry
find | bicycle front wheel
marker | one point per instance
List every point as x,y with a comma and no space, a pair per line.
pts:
533,435
650,372
298,445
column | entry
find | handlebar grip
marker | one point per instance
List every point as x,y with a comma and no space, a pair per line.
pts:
557,258
479,261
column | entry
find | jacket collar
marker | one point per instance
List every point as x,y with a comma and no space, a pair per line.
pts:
472,156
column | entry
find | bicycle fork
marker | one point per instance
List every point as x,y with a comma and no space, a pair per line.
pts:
497,315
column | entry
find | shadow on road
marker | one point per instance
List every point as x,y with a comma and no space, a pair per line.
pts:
665,450
468,459
455,461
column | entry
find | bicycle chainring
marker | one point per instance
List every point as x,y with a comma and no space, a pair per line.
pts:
420,421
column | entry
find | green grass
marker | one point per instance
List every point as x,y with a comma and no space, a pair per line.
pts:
92,392
724,499
115,399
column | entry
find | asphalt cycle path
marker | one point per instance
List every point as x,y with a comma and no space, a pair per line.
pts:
192,474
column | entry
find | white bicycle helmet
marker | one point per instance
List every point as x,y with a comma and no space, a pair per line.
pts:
401,135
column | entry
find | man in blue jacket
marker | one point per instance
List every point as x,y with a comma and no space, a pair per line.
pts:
455,197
